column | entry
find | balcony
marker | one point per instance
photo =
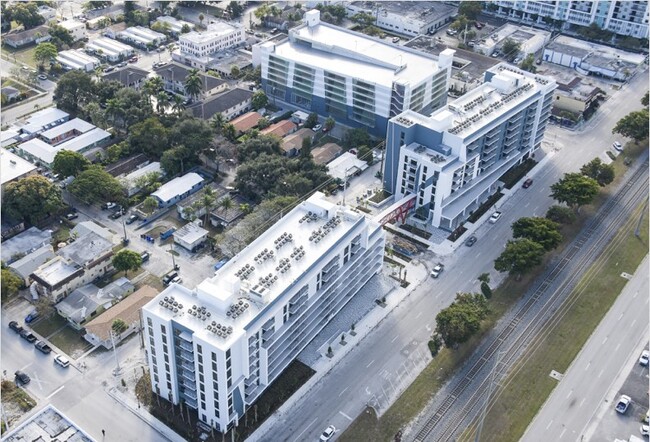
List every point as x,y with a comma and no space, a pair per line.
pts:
188,375
187,347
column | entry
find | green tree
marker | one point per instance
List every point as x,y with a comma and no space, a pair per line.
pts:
460,23
207,201
458,322
185,29
68,163
644,100
193,83
201,18
365,153
259,100
263,123
176,160
528,64
575,190
10,282
312,120
235,9
329,123
44,52
177,104
229,132
150,137
364,19
26,14
226,204
634,125
254,147
235,72
218,121
486,290
152,86
510,49
541,230
31,199
355,138
471,10
119,326
126,260
61,37
561,214
162,102
193,133
519,257
96,5
601,172
95,185
149,204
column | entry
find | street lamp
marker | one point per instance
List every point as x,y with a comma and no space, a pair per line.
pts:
117,370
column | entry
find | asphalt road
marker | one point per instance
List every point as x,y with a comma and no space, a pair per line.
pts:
392,353
609,354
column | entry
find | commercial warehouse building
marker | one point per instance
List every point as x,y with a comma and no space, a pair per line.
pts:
452,161
406,18
358,80
109,49
217,348
75,59
141,37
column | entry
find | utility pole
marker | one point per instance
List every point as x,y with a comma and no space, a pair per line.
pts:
637,231
171,251
117,370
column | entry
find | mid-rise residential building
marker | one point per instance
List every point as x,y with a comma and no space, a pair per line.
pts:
452,160
358,80
76,29
175,74
217,37
620,17
217,347
407,18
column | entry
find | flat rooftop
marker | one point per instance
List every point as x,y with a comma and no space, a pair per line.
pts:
56,270
44,119
48,425
12,166
421,11
214,30
353,54
249,283
575,46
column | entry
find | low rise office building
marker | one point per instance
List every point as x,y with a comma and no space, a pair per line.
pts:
217,348
406,18
358,80
451,161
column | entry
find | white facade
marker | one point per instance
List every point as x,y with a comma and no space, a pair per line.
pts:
406,18
110,49
356,79
621,17
76,28
216,348
141,37
452,160
217,37
75,59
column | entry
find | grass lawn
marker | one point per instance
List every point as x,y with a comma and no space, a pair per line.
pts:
151,280
368,427
71,342
25,56
46,326
61,235
531,384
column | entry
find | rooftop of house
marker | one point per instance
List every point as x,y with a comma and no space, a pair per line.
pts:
221,103
246,121
294,141
325,153
224,306
85,300
86,248
127,310
280,129
127,75
12,166
47,425
190,233
177,72
43,120
24,243
28,264
29,33
177,186
219,191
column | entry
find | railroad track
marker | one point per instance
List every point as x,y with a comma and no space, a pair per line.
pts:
618,207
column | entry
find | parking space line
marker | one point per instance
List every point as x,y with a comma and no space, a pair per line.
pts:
371,362
346,416
549,424
343,391
56,391
306,428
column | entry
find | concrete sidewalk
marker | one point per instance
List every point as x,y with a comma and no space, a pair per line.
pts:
416,274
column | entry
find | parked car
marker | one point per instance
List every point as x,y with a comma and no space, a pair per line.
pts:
643,360
15,326
328,433
617,146
145,256
115,215
62,361
168,277
131,219
478,25
495,217
395,40
317,127
437,270
451,32
28,336
470,241
527,183
108,206
221,263
645,430
31,317
133,59
42,77
71,216
623,403
177,280
22,377
109,69
43,347
122,64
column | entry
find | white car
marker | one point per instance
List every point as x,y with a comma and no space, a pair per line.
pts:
317,127
495,217
617,146
643,360
62,361
328,433
623,403
645,430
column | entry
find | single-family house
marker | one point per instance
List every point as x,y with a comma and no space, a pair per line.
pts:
13,168
132,181
191,236
292,144
99,329
26,265
229,104
84,227
175,25
175,190
76,29
24,243
129,77
326,153
222,216
280,129
245,122
174,75
36,35
48,13
85,302
10,93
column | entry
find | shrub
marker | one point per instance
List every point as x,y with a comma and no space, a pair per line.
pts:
561,214
435,344
486,290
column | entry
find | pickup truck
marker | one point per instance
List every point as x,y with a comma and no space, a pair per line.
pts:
437,270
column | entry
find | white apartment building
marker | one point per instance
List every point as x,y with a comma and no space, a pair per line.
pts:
217,37
76,28
75,59
621,17
406,18
216,348
111,50
453,159
358,80
141,37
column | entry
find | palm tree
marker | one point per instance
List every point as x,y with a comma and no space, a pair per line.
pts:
163,102
201,18
98,73
245,208
193,83
177,104
208,201
171,47
218,121
152,86
114,110
226,204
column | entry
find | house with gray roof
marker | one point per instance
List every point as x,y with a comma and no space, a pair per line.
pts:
231,104
24,243
26,265
129,76
174,75
37,35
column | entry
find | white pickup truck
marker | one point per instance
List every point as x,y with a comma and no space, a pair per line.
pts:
437,270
